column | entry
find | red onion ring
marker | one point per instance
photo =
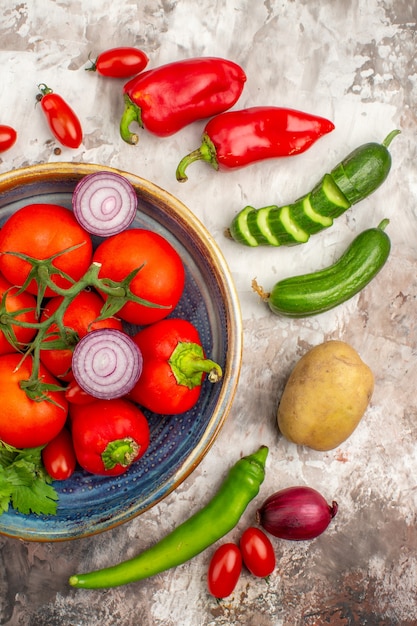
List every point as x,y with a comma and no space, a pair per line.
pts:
107,363
104,203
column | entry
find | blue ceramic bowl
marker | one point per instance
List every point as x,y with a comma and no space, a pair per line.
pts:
90,504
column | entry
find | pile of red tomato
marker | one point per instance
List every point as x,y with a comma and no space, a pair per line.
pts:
49,415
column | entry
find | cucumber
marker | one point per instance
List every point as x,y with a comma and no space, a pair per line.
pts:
311,294
352,180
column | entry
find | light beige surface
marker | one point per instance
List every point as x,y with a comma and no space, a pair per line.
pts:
354,62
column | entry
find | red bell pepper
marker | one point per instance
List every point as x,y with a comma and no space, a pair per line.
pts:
108,435
165,99
237,138
174,366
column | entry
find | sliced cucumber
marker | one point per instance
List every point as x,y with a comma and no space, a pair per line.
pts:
352,180
327,199
239,230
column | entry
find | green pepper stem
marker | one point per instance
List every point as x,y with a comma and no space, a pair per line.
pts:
120,452
206,152
131,113
188,364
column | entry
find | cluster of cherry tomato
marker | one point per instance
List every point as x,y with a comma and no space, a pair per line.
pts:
64,123
255,551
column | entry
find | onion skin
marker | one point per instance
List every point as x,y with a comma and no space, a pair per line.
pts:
296,513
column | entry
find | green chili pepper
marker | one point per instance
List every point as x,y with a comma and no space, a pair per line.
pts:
194,535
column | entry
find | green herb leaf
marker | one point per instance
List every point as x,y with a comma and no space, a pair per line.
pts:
24,482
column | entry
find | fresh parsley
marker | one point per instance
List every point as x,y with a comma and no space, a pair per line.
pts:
24,483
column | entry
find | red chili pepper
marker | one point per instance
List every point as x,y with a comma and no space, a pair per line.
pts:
8,136
119,62
174,365
165,99
61,119
238,138
108,435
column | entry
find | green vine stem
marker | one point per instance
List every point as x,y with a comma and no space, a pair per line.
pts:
117,295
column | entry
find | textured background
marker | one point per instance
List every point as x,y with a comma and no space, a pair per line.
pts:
354,62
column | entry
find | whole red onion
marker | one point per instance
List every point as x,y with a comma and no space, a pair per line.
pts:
296,513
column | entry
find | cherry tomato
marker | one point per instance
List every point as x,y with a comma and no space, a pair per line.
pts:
62,120
224,570
11,302
257,552
40,231
58,456
161,277
8,137
75,395
26,423
80,316
120,62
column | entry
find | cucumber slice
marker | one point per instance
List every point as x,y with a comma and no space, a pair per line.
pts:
239,229
343,182
282,228
263,222
258,230
327,199
307,218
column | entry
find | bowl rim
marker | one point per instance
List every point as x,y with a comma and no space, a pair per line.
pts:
71,172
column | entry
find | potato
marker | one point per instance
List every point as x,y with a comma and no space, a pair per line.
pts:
325,396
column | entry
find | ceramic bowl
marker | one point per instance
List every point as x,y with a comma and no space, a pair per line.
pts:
90,504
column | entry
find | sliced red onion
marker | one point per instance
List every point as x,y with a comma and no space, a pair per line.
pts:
104,203
107,363
296,513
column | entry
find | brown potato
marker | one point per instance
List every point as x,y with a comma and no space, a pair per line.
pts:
325,396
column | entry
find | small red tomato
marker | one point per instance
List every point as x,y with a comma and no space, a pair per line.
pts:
120,62
11,302
257,552
224,570
58,456
62,120
8,136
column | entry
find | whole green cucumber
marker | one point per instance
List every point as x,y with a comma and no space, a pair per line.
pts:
352,180
310,294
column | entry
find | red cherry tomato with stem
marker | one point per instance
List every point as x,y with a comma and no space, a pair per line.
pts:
119,62
257,552
58,456
8,137
224,570
62,120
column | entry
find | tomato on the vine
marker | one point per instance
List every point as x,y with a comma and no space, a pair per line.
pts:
41,231
160,279
80,317
120,62
12,302
8,137
61,118
58,456
224,570
257,552
27,423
